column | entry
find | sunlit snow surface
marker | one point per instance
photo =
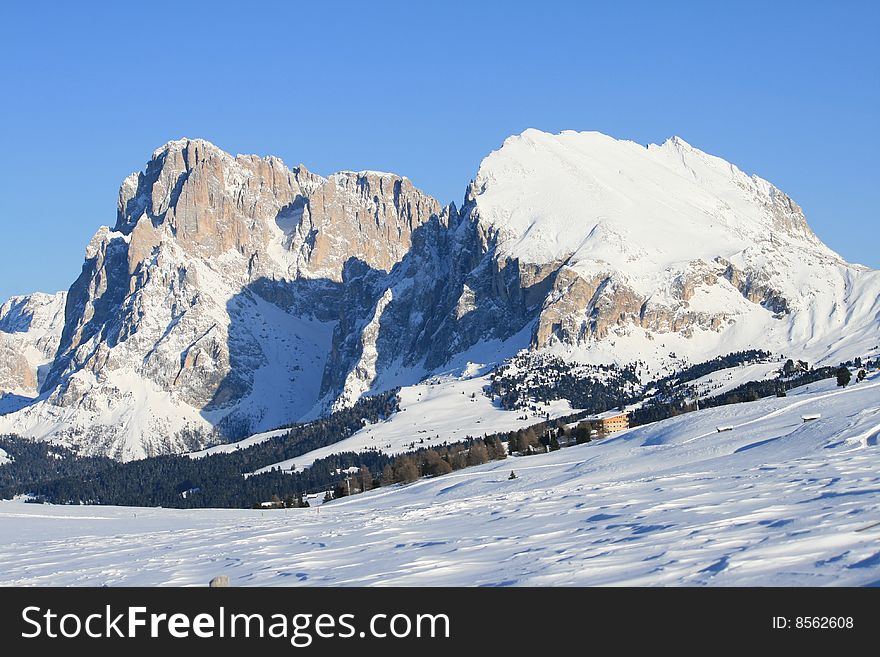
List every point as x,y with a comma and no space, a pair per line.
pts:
432,413
775,501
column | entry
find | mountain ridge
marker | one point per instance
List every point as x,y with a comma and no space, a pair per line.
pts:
235,295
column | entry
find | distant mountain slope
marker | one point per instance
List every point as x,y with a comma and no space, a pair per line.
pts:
30,329
667,241
235,294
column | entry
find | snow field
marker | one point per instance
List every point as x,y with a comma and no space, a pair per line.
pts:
431,414
775,501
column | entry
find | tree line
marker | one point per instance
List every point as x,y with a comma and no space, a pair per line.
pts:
681,400
523,383
58,474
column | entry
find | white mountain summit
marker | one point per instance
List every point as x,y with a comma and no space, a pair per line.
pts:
669,239
237,294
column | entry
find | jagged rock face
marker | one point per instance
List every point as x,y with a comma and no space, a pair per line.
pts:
213,203
368,216
216,293
580,309
449,294
235,295
30,329
16,373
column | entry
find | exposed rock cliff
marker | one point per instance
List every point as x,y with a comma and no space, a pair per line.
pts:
30,329
235,294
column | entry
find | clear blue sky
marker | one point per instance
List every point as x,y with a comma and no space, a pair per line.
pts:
787,90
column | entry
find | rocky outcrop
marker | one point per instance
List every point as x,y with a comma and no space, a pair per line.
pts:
235,294
584,308
277,218
30,330
369,216
755,286
17,374
221,279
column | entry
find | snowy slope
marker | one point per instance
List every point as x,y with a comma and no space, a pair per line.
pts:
438,411
639,209
773,502
725,380
134,405
227,448
209,308
121,410
668,244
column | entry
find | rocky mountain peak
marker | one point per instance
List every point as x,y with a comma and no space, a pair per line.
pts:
173,302
289,222
235,294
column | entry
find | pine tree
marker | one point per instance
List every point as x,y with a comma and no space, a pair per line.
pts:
341,489
457,457
405,470
387,477
582,433
477,454
497,450
433,465
365,478
843,377
514,443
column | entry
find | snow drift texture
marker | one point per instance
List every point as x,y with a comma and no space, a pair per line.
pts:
774,502
234,294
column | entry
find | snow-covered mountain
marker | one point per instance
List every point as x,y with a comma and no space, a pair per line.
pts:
212,300
30,329
666,241
234,294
